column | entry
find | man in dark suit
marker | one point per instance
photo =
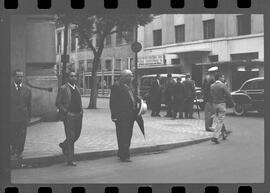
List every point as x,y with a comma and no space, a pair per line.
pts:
155,97
69,104
20,113
169,95
179,98
190,95
123,113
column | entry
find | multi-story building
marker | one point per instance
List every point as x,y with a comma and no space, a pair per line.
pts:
192,43
117,55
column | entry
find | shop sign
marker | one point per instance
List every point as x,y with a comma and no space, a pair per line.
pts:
151,60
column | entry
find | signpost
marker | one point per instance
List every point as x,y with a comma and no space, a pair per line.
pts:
136,47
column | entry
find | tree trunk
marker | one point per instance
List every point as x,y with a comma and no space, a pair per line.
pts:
94,89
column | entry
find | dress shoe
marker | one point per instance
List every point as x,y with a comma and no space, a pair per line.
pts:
125,160
226,134
215,140
71,163
64,151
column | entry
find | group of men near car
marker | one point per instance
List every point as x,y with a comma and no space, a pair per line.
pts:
123,106
179,97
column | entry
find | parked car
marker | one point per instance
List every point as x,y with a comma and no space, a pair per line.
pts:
147,80
249,97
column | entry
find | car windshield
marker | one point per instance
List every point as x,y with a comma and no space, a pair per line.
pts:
253,85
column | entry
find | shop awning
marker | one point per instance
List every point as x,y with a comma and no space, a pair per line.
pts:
159,69
233,62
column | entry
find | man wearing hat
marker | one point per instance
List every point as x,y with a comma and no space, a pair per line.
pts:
20,113
124,111
190,95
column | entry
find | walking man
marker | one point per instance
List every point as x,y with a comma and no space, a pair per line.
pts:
20,113
190,95
208,107
123,113
69,104
179,98
219,94
155,97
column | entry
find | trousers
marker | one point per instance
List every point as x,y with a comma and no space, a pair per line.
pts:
17,137
124,129
189,102
220,112
208,112
73,127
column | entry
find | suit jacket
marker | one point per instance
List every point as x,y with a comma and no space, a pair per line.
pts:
123,106
155,91
220,93
179,91
20,104
189,89
63,100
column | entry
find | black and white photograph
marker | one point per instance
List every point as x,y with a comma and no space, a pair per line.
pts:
136,98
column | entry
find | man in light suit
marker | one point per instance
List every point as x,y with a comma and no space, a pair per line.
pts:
20,113
220,95
123,106
69,104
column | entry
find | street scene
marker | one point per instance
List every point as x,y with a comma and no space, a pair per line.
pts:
146,98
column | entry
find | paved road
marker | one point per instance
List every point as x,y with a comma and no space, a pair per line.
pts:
240,159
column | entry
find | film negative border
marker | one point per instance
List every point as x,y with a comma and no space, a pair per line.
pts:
113,4
260,6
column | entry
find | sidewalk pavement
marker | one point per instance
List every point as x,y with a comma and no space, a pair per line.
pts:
98,137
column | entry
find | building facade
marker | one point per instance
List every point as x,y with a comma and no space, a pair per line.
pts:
192,43
33,51
116,56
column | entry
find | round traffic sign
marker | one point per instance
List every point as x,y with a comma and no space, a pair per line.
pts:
136,47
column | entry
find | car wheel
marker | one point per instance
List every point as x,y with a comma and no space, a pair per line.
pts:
239,109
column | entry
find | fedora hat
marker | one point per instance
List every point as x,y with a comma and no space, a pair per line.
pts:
141,107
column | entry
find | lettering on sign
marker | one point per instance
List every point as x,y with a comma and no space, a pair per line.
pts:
151,60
